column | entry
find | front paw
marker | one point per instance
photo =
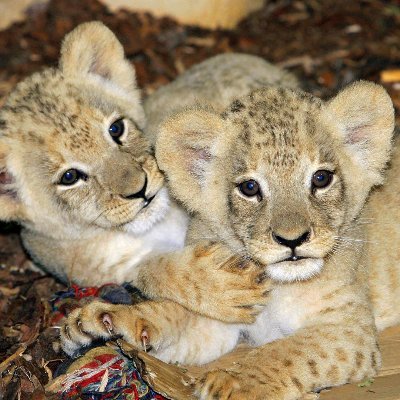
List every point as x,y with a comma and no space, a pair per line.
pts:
235,291
98,320
237,385
219,385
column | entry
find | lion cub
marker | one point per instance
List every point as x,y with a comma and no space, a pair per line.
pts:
80,177
280,177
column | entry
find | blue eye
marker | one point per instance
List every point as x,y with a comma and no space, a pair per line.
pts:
321,179
250,188
116,130
72,176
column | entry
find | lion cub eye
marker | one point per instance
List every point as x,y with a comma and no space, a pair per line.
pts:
250,188
72,176
116,130
321,179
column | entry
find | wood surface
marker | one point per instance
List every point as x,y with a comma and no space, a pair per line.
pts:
176,382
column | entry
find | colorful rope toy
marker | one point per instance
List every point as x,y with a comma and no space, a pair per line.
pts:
102,372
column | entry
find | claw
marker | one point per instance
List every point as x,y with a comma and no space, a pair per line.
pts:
67,333
261,278
79,325
144,343
107,321
145,339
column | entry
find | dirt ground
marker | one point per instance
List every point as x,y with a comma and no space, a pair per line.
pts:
326,43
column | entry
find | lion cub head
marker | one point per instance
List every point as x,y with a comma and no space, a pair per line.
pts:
72,152
280,175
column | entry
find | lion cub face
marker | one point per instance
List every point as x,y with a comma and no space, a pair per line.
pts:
71,142
280,175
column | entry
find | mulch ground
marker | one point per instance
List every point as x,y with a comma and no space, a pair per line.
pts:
326,43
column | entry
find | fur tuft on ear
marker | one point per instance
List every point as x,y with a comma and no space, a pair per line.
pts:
91,48
11,208
187,145
365,116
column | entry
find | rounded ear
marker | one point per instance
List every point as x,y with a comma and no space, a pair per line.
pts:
187,145
11,208
91,48
365,116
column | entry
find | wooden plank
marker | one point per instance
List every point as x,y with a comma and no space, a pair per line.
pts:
176,380
383,388
389,342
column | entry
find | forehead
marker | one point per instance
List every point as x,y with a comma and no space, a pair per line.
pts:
48,97
278,128
47,109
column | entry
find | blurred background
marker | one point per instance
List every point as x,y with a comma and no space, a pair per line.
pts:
326,43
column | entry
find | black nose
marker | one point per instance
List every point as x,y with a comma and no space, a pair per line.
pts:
138,195
292,243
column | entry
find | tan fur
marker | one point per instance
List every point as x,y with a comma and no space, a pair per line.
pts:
215,81
97,231
381,219
58,119
318,326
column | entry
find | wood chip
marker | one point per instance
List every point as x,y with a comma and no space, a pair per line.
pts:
390,76
9,292
4,365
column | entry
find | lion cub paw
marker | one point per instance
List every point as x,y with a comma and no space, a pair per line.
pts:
218,384
98,320
238,383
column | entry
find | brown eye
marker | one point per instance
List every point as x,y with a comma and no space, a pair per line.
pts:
321,179
250,188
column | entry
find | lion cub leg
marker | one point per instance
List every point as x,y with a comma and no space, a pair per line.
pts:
165,329
336,346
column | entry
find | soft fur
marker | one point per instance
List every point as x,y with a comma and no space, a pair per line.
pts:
97,231
318,327
216,81
90,232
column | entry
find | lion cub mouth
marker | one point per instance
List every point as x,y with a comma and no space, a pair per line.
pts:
293,257
148,201
295,268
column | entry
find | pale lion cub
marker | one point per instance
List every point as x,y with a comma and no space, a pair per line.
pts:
80,177
281,177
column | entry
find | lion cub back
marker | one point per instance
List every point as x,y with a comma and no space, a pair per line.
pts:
215,82
381,220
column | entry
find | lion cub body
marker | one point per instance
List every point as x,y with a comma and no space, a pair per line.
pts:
95,230
282,178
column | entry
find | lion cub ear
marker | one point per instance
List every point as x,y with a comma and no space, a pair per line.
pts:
11,208
188,144
91,48
365,115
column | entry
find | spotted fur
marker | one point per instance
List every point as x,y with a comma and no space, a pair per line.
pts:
103,228
58,119
318,328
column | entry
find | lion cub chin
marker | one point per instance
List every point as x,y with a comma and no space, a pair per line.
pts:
76,169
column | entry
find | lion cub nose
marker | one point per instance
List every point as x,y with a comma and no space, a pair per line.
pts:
292,243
